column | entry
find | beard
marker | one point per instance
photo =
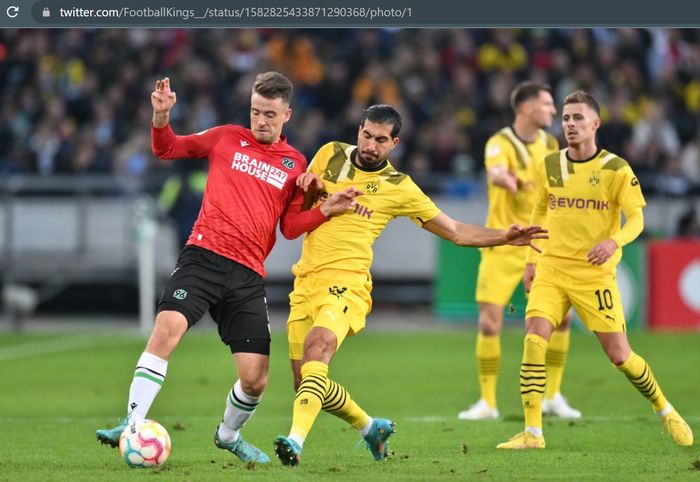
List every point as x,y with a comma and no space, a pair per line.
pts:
363,161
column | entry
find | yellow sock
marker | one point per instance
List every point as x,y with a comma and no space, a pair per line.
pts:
557,352
533,378
309,397
339,403
488,358
638,372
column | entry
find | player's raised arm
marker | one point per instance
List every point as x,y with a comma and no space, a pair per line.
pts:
162,99
463,234
164,143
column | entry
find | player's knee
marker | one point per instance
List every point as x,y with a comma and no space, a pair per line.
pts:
166,334
616,347
254,386
617,355
317,350
320,346
489,329
169,325
540,327
490,319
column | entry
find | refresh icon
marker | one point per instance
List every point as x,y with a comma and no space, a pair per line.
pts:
12,11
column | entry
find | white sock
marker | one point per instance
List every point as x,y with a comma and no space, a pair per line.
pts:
365,430
148,377
298,439
666,410
239,408
536,431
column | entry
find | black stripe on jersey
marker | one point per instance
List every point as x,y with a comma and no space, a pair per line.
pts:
392,176
615,163
553,170
335,163
521,161
552,143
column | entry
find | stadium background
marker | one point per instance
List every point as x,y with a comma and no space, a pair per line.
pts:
81,190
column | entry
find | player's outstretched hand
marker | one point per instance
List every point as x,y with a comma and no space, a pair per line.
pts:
340,201
602,252
310,182
163,99
517,235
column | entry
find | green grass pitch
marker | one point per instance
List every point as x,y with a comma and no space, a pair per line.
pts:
56,389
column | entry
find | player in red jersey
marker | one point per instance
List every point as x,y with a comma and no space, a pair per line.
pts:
251,187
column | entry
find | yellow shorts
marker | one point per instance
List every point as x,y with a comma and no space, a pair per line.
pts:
596,300
500,271
339,304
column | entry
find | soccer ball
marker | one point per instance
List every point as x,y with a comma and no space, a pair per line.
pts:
144,444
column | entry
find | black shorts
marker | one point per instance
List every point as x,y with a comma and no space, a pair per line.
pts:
234,295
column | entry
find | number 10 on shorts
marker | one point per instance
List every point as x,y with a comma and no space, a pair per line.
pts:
605,299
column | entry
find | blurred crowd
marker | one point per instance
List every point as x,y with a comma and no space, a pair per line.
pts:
77,101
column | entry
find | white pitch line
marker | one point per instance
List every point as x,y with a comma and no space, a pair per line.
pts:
57,345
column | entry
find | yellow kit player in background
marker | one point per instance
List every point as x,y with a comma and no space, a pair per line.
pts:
581,194
331,296
512,156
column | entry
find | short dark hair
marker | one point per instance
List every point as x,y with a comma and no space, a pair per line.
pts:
525,91
273,85
382,114
583,97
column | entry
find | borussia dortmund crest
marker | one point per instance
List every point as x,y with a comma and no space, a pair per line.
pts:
288,163
371,188
594,180
337,291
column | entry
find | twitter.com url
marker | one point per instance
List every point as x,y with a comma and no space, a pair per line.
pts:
240,13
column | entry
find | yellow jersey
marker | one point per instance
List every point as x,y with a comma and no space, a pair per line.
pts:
580,203
344,242
506,149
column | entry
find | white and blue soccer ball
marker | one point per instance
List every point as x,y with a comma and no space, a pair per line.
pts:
144,444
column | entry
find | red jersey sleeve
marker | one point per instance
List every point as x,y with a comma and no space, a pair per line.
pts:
294,222
166,145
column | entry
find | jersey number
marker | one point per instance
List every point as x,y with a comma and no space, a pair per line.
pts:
604,301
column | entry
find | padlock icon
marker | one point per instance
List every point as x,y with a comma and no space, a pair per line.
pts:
46,12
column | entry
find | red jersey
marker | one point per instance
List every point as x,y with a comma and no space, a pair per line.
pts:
249,188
